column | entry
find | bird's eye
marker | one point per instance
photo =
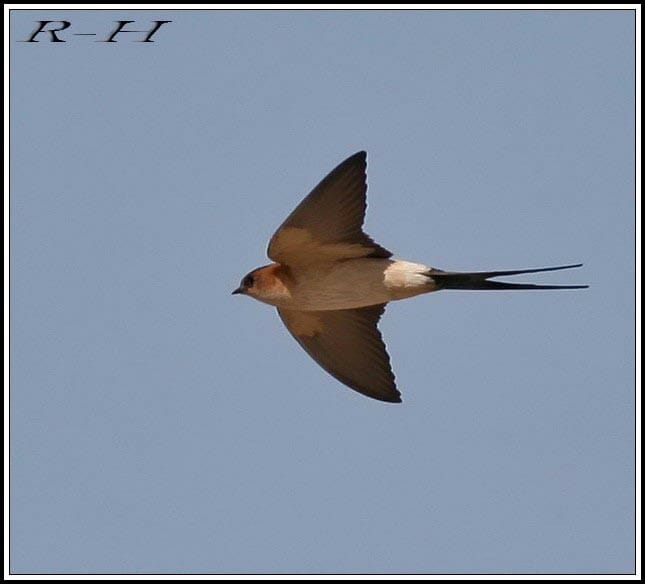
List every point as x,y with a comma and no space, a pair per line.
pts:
247,282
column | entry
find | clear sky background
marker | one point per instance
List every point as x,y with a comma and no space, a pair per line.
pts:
159,424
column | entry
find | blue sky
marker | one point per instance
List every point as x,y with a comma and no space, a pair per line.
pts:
159,424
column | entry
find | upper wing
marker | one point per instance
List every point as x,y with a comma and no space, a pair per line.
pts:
347,344
327,224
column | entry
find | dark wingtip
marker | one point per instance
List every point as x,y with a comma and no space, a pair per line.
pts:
391,399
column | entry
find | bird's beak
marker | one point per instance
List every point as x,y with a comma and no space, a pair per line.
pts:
237,291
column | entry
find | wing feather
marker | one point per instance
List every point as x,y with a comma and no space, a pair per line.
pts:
348,345
327,224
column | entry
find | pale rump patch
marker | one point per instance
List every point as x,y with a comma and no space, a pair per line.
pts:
304,324
405,279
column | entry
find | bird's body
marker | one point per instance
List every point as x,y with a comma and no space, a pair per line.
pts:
330,281
339,285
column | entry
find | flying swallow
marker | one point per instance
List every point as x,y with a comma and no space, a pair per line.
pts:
331,282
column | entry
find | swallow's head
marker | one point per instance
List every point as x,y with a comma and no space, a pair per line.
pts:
248,284
264,284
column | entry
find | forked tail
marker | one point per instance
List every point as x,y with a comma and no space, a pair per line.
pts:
481,280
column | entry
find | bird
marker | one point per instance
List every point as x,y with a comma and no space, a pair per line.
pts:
331,282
